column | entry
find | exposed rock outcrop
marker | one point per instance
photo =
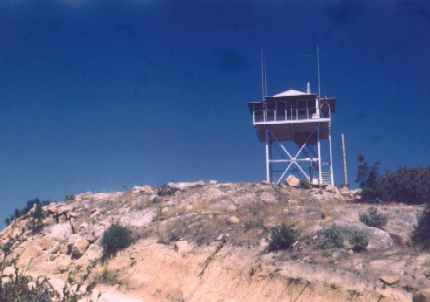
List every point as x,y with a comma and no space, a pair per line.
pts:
206,241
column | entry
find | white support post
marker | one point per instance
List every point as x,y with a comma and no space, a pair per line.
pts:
331,154
319,157
345,164
268,156
317,105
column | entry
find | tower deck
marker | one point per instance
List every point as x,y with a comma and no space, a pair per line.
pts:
300,118
289,117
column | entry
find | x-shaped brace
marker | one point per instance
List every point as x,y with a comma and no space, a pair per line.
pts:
293,159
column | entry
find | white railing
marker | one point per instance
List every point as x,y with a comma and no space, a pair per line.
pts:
268,115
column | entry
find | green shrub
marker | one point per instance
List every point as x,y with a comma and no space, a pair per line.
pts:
421,233
18,287
330,238
107,276
368,179
359,241
282,237
21,212
114,239
373,218
305,184
70,197
166,190
407,185
253,224
6,248
36,218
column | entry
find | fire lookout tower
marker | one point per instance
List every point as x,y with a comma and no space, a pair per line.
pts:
298,124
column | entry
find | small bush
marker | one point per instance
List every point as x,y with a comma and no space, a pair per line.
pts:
369,180
305,184
166,190
282,238
167,238
69,197
18,287
114,239
21,212
36,218
421,233
359,241
253,224
330,238
373,218
107,276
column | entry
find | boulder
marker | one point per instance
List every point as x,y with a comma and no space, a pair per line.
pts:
59,231
165,210
29,253
143,189
49,221
45,243
344,190
60,265
293,181
234,219
390,279
422,295
106,196
395,294
378,239
138,218
99,196
79,248
83,228
185,185
93,253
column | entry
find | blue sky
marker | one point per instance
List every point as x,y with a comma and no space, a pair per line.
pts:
97,95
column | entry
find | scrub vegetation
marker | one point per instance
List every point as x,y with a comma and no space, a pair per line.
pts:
405,185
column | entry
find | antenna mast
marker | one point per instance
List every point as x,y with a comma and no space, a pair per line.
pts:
263,75
318,70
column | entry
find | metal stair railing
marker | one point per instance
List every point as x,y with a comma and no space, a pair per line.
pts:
325,177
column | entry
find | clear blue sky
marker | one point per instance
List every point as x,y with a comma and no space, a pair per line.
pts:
96,95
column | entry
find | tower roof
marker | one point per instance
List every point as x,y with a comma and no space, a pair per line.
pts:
290,92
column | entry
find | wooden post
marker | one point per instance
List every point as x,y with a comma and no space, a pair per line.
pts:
345,163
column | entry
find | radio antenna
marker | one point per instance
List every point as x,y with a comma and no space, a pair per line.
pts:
263,75
318,70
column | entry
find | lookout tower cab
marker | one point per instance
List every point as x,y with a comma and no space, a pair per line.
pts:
295,127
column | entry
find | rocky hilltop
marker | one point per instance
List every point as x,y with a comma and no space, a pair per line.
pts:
207,241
